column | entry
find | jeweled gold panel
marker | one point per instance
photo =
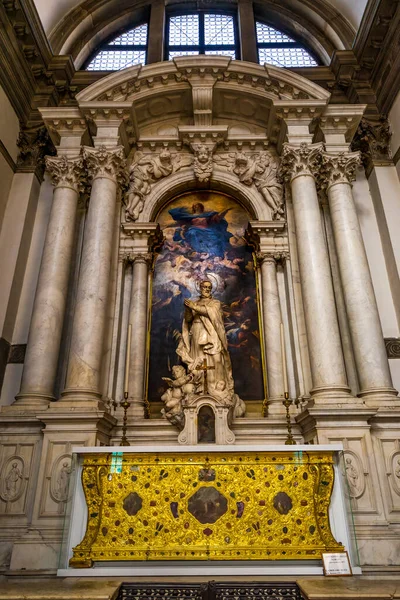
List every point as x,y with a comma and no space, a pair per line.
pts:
199,506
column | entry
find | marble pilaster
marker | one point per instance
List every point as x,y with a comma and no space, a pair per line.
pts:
272,318
105,168
299,165
38,379
364,323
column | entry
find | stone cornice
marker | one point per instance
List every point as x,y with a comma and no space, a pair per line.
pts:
30,74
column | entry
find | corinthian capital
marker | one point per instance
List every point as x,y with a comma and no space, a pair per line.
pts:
65,172
271,257
103,162
300,160
338,168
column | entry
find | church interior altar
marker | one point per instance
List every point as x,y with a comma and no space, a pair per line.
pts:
218,510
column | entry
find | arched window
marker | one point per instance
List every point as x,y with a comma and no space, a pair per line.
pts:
201,33
277,48
126,50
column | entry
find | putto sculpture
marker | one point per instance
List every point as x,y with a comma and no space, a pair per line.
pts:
261,170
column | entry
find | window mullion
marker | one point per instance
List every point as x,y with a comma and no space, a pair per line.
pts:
201,34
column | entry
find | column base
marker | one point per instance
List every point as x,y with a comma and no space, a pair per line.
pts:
81,399
136,408
334,395
380,397
31,401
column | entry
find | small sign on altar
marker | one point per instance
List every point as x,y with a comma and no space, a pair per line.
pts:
336,564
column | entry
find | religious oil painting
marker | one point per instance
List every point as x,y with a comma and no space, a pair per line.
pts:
204,240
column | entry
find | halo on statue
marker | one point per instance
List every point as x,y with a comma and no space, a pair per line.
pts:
207,277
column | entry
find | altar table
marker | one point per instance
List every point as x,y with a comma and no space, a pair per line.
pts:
205,509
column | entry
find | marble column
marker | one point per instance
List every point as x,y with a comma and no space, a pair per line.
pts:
138,318
272,319
40,367
362,311
105,169
299,164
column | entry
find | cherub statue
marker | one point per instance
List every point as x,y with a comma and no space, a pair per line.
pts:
259,169
222,393
178,388
146,170
203,164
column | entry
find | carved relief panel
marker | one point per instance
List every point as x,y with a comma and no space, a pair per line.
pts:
56,479
360,474
388,455
15,472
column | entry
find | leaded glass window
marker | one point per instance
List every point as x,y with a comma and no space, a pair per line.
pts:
124,51
277,48
201,33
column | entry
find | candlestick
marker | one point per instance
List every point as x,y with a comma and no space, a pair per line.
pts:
284,371
125,405
127,359
290,441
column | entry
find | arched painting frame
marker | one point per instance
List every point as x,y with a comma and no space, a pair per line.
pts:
204,238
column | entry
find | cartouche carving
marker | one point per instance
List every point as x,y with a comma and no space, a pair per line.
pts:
259,169
300,160
66,172
338,168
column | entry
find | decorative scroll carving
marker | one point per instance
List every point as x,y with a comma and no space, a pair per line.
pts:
66,173
338,168
103,162
392,347
300,160
259,169
34,144
373,141
146,170
213,590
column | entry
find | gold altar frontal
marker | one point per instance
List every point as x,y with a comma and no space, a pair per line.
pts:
206,506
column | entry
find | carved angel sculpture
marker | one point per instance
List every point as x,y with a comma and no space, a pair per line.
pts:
259,169
146,170
203,164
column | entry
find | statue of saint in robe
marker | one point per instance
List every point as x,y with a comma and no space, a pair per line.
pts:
204,337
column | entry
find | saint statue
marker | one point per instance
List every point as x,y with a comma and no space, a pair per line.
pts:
204,337
203,347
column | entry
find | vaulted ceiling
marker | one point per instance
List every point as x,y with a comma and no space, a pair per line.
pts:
53,11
